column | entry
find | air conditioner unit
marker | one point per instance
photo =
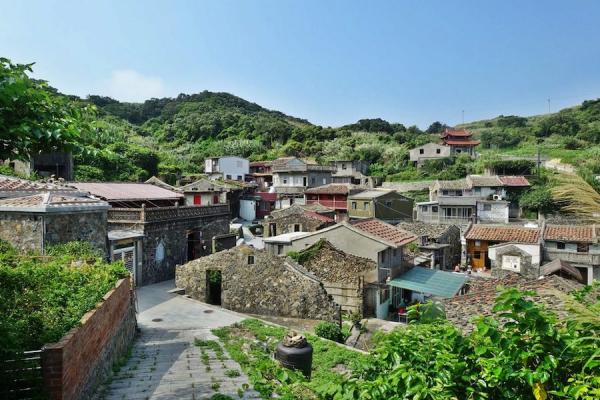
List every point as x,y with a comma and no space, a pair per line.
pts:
497,197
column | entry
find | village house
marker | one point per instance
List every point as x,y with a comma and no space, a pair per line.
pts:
372,239
353,172
203,192
36,221
479,198
260,173
54,164
347,278
253,281
439,245
227,168
579,245
156,228
459,141
333,196
386,205
296,218
257,206
427,152
480,239
292,176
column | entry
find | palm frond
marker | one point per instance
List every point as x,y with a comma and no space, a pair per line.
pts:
577,197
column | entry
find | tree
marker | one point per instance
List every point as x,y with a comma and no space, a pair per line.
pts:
436,127
32,118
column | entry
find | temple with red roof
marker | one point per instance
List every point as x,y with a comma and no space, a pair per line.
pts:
459,141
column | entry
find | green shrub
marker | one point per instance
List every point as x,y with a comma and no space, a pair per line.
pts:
329,330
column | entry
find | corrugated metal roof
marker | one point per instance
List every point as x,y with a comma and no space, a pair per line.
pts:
430,281
127,191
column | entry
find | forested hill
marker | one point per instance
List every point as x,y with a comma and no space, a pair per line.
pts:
172,136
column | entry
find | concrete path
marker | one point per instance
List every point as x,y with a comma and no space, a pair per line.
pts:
165,363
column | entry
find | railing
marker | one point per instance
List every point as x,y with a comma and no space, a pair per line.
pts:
165,213
458,200
572,256
336,204
21,376
443,220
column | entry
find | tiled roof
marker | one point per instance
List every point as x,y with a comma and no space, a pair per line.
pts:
370,194
317,216
332,188
455,184
127,191
480,299
201,185
456,132
160,183
49,201
484,180
384,231
462,142
12,184
570,233
432,231
260,163
503,233
514,181
561,266
266,196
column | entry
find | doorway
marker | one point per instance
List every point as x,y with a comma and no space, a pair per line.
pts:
213,287
272,229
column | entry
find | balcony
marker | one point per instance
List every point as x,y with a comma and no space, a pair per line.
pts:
458,200
157,214
441,219
335,204
572,256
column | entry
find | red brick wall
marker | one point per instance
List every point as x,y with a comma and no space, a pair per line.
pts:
68,364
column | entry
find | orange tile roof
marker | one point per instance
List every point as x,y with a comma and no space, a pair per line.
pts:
570,233
461,142
317,216
332,188
503,233
384,231
514,181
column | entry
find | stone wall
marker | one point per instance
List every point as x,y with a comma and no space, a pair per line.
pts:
22,230
286,223
256,282
165,243
526,268
75,366
83,226
451,254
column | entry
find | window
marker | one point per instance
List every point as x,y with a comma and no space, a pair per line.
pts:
560,245
394,252
583,247
313,180
296,227
388,203
366,205
445,192
477,243
437,151
354,205
434,209
284,181
250,260
324,181
343,165
477,255
487,207
477,191
421,151
227,176
279,249
239,177
424,208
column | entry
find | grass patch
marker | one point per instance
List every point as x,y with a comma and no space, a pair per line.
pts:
251,343
232,373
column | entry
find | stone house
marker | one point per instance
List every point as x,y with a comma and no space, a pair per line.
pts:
480,239
439,244
429,151
161,232
203,192
386,205
33,222
57,164
292,176
295,219
372,239
227,168
253,281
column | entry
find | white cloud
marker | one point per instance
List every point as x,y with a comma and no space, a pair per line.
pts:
130,85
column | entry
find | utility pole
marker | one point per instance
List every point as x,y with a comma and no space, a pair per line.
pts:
548,105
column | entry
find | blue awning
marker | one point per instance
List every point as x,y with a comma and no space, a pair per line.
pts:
430,281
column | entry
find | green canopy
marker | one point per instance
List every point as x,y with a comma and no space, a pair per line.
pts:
431,281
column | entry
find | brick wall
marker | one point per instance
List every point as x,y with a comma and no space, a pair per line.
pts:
75,366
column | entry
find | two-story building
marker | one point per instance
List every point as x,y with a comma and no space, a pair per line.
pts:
460,141
353,172
227,168
427,152
386,205
439,245
333,196
371,239
292,176
476,198
260,173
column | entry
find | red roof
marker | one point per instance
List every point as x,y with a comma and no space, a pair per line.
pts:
384,231
462,142
127,191
503,233
570,233
514,180
457,132
266,196
317,216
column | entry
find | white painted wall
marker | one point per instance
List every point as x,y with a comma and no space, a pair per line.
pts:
498,212
533,249
248,209
229,167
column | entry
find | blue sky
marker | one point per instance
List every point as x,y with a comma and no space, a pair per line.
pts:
331,62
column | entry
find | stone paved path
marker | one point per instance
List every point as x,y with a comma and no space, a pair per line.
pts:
165,363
